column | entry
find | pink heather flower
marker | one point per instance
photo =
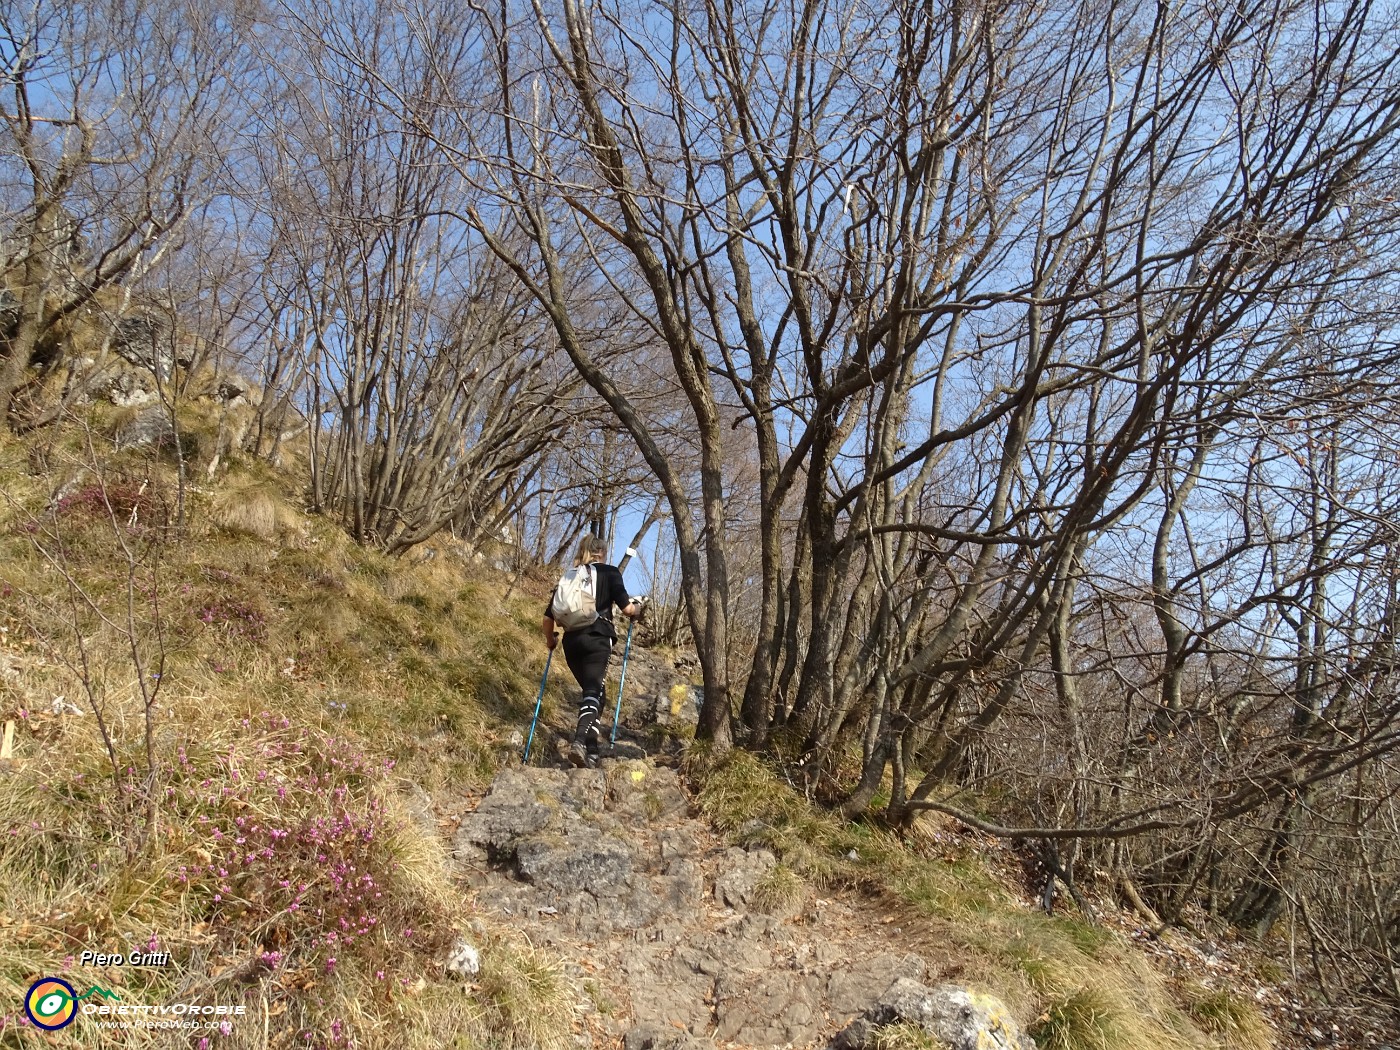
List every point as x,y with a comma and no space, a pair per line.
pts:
204,1043
225,1028
330,964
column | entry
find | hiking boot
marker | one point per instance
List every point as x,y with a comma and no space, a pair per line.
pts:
578,754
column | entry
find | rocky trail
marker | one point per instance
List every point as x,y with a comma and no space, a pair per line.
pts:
678,940
670,933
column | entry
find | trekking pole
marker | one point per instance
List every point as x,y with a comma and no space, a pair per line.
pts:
538,701
617,711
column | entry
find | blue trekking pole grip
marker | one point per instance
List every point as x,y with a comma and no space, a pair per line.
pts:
538,701
617,711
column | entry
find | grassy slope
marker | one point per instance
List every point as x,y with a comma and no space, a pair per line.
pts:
303,681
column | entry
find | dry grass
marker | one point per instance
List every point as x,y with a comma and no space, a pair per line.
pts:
254,510
294,693
780,891
1090,991
1231,1019
281,855
527,1002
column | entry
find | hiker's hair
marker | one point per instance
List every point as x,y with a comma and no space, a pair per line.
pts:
590,549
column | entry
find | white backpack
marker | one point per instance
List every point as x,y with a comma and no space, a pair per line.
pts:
575,598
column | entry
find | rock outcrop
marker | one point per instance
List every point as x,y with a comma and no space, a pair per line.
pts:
668,925
955,1016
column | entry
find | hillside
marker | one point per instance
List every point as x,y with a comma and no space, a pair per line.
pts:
1000,400
242,740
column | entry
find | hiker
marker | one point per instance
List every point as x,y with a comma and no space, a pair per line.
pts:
582,605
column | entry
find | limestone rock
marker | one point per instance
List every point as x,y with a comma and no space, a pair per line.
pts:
735,887
850,990
681,887
150,426
644,794
651,1037
635,907
130,389
954,1015
737,948
585,790
578,860
464,960
768,1009
667,991
608,864
677,843
508,814
143,339
232,389
679,705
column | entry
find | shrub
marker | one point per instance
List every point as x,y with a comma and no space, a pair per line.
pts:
235,618
298,845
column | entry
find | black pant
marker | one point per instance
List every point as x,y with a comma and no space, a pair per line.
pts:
587,651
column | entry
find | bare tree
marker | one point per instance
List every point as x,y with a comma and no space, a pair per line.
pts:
111,118
960,273
424,371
